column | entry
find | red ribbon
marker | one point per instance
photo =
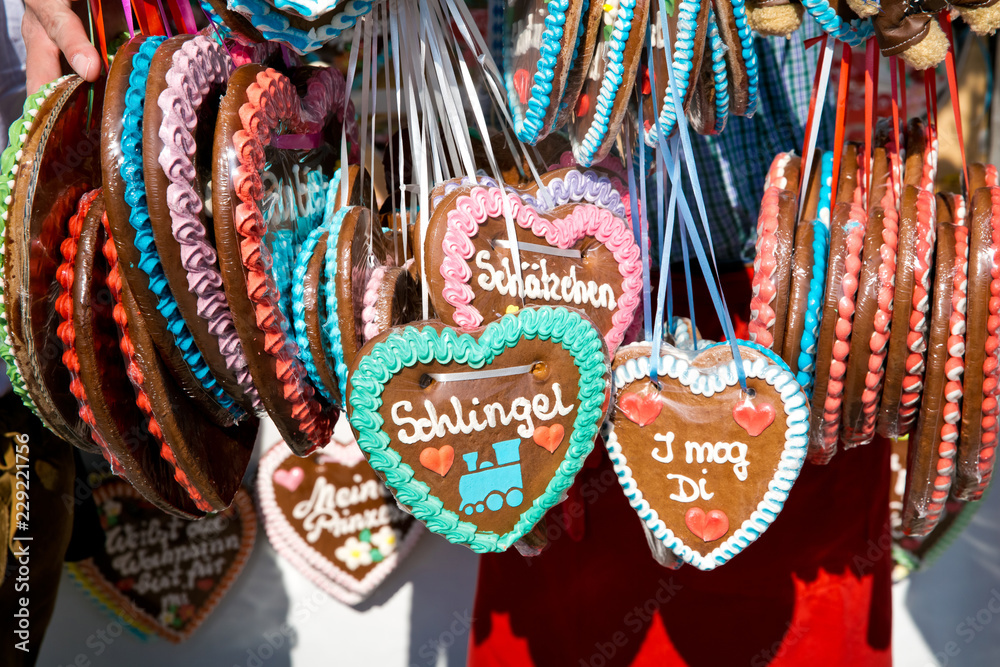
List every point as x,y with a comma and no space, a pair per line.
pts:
953,89
838,131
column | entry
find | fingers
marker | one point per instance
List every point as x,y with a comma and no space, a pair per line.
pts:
63,29
42,55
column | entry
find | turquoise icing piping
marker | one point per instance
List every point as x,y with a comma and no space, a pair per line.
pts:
334,343
149,258
687,25
298,305
528,128
276,27
719,72
749,54
614,71
410,346
855,34
817,285
285,244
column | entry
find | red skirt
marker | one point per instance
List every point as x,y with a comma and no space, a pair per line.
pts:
815,589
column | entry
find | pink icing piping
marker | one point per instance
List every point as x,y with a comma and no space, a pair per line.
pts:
825,441
369,328
309,561
471,210
776,174
916,337
765,263
879,341
991,367
929,172
272,99
198,65
954,368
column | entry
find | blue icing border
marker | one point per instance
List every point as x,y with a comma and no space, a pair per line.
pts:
749,54
817,285
276,27
332,220
855,34
298,306
687,25
149,259
410,345
796,410
611,81
720,73
528,128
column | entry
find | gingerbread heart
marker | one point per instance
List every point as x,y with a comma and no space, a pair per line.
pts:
331,517
274,194
578,255
520,402
161,573
713,469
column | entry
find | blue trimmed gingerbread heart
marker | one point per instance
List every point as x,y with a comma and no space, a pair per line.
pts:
479,434
706,466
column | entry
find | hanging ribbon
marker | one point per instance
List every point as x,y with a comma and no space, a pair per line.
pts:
127,10
901,65
163,19
97,18
183,16
894,149
838,132
871,93
709,269
817,102
953,91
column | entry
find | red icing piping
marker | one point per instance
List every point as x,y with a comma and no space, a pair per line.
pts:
134,372
65,276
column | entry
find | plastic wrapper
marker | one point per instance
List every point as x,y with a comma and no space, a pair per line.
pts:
912,295
56,166
978,435
933,442
865,373
271,171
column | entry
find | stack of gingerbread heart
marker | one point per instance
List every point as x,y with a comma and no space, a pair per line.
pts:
154,224
892,327
577,66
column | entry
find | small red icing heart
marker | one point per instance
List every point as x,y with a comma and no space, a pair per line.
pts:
521,84
641,407
438,460
754,418
709,527
549,437
290,479
582,106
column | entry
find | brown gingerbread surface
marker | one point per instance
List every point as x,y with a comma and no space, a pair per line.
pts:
687,452
56,167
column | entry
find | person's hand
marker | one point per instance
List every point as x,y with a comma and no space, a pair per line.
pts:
50,27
